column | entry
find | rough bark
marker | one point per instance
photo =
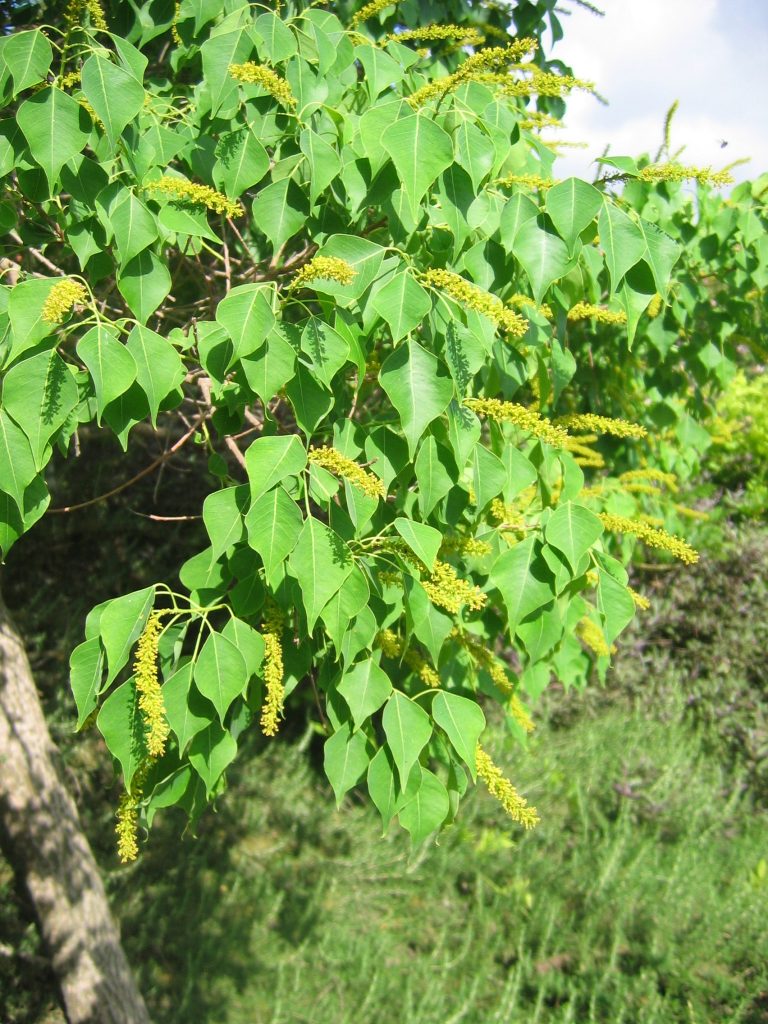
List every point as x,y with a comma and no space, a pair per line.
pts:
42,837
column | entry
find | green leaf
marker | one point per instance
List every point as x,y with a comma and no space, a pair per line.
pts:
403,303
248,641
573,530
25,308
279,211
246,315
427,623
381,71
223,513
351,599
424,541
28,56
365,258
274,524
17,461
572,204
220,673
621,240
408,730
517,211
323,160
40,393
114,93
616,604
210,753
420,150
427,811
242,162
435,474
187,711
159,368
121,624
121,725
144,282
489,475
86,666
418,386
541,633
382,785
320,561
543,255
56,128
474,152
269,460
217,53
279,41
111,365
661,254
134,226
345,759
326,348
269,369
365,687
311,402
524,580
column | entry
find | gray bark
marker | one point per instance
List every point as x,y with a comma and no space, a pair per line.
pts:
42,837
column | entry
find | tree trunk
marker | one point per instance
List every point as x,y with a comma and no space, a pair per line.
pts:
42,837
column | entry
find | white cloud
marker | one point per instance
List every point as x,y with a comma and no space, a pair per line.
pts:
644,54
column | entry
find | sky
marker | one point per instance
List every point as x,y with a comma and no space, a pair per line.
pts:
711,55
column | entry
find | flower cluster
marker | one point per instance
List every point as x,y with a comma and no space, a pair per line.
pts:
526,181
592,636
535,119
602,425
272,627
678,172
369,10
422,668
470,546
584,455
390,643
541,83
502,789
658,476
641,601
151,703
466,35
518,711
61,298
339,464
327,268
510,516
519,301
269,80
475,68
184,191
655,306
587,311
76,8
650,535
485,659
520,416
445,589
472,297
127,816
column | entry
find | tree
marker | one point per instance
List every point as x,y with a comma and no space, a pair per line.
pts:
324,243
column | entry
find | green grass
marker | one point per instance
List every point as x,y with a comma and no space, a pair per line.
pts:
639,898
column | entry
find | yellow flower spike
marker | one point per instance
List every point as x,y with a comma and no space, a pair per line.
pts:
502,790
640,600
677,172
151,703
339,464
327,268
446,590
466,35
472,297
269,80
76,8
655,306
470,546
485,659
127,829
475,68
526,181
602,425
519,714
587,311
197,195
592,636
423,669
650,535
369,10
668,480
518,301
390,643
273,624
64,295
526,419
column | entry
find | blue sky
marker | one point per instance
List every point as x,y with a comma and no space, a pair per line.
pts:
711,55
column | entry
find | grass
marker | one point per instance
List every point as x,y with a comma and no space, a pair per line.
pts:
640,898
